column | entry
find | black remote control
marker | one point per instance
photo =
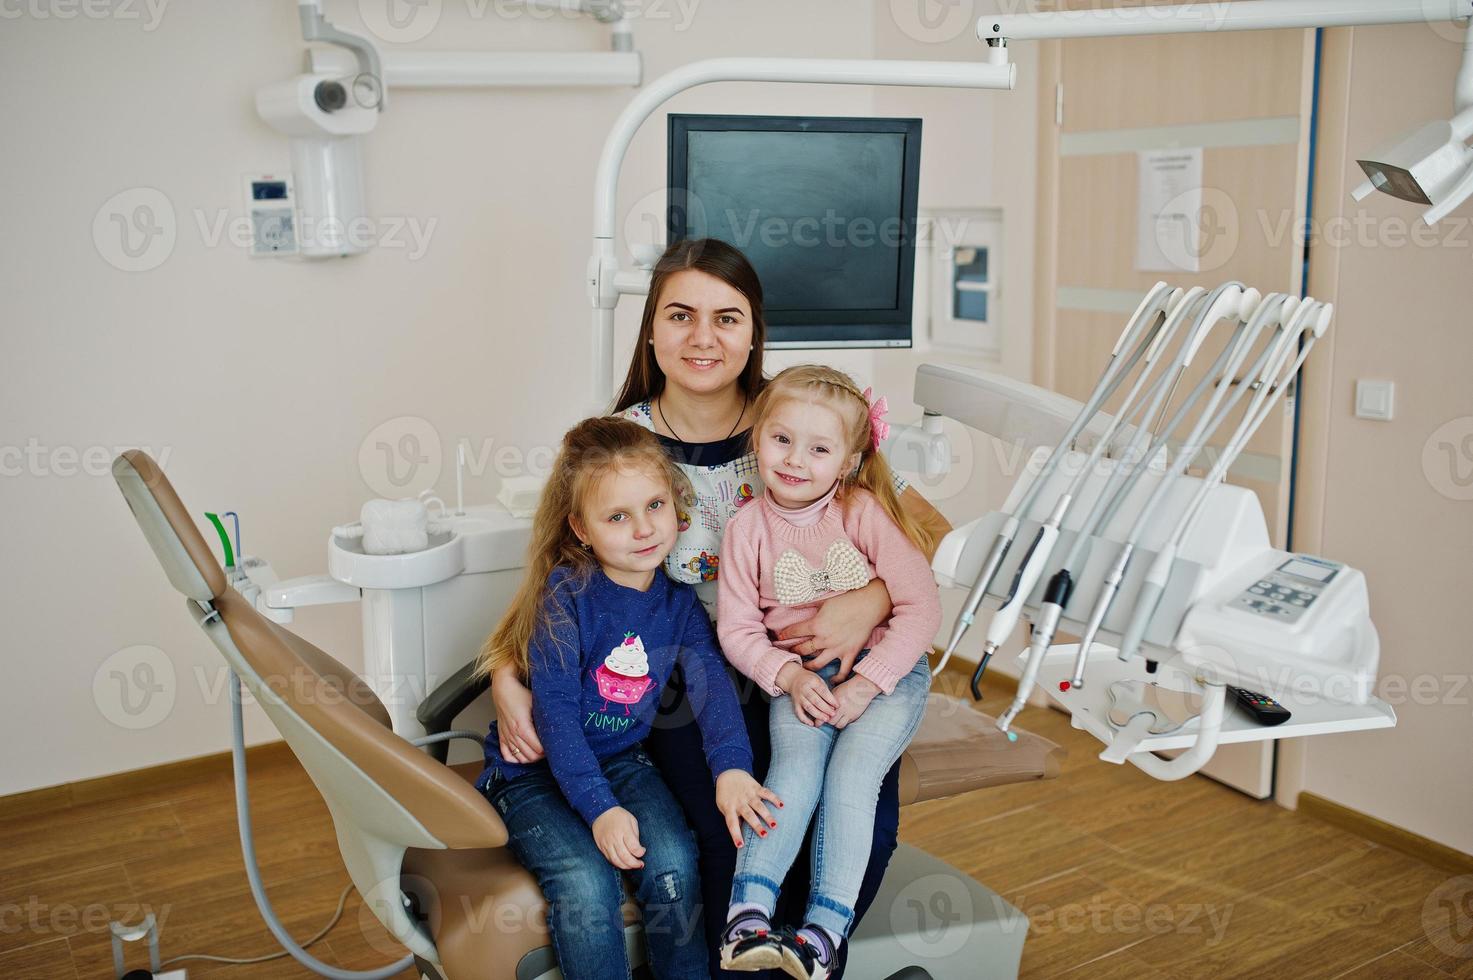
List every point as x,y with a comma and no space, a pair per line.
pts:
1264,709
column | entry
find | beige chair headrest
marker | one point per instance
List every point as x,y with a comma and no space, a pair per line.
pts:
173,536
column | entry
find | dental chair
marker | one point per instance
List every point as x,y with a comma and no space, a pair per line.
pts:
426,851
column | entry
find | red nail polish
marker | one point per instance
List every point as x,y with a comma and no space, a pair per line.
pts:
762,832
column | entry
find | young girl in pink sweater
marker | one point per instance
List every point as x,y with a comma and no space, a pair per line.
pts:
829,521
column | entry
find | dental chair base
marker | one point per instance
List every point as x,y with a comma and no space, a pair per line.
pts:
928,912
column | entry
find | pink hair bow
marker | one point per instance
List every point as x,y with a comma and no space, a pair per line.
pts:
878,408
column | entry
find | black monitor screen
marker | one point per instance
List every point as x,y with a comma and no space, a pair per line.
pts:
823,208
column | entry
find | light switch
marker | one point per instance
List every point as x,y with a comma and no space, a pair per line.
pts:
1374,399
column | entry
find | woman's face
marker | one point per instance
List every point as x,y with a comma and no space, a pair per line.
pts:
702,332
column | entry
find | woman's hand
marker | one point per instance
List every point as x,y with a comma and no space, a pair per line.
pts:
616,833
514,717
740,797
813,703
841,627
853,696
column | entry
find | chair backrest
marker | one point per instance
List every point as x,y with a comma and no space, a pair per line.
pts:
384,794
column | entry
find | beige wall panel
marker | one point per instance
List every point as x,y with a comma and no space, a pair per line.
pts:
1252,191
1130,82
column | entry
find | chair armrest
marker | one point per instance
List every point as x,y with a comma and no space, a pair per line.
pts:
437,711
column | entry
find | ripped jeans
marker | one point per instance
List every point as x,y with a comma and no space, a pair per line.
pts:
585,892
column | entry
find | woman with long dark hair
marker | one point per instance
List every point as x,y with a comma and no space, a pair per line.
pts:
695,372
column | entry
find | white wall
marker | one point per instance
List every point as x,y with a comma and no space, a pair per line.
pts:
262,379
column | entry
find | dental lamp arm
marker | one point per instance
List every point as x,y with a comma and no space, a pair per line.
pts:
1201,18
315,27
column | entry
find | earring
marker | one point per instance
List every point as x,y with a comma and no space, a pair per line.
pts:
651,341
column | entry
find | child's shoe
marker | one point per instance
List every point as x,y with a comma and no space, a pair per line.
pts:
808,954
749,944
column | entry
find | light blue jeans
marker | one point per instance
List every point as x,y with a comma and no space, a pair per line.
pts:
839,774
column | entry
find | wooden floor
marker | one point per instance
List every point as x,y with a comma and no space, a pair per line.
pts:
1121,877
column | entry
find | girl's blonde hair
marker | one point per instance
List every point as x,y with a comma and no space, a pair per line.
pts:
591,450
816,383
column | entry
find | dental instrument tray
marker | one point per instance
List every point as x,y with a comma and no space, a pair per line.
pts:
1256,617
1089,706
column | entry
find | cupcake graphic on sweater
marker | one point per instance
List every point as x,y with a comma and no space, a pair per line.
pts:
624,676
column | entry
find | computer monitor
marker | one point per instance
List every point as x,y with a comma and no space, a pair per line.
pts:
825,209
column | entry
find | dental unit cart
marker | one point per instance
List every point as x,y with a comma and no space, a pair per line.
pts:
1234,612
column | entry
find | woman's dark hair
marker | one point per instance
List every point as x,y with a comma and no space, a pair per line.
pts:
715,258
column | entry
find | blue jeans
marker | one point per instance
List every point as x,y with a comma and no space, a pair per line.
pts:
585,892
675,745
839,774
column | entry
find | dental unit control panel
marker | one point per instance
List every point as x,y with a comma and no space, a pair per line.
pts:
1288,591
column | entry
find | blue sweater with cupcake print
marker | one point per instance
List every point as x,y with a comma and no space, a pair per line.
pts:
596,677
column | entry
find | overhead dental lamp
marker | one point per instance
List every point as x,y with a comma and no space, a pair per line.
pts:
1432,167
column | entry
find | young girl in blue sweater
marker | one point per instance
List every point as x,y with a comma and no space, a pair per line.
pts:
595,631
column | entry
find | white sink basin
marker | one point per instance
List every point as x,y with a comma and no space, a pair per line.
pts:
442,560
484,539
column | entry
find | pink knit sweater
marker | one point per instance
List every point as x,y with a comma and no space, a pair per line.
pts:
774,574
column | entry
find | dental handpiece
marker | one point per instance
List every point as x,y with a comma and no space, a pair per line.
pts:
1115,372
1239,346
1276,313
1271,384
1061,585
1133,460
